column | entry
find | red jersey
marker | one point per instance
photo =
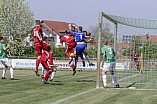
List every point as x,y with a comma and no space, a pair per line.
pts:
67,39
135,56
38,28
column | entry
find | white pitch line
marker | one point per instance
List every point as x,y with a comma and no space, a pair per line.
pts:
59,101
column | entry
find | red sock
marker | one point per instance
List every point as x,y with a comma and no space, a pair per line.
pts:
73,66
51,58
138,68
37,63
68,54
47,75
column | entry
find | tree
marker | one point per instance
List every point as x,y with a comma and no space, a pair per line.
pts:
106,32
16,19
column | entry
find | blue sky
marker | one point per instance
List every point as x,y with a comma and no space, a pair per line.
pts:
86,12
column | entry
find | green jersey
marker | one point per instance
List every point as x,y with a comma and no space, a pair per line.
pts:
109,53
3,53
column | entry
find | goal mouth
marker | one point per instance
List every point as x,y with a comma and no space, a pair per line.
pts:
130,34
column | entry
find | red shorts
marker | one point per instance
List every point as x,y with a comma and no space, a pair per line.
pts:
45,64
70,47
46,47
39,47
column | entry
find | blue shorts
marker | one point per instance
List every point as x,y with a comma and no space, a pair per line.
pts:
80,48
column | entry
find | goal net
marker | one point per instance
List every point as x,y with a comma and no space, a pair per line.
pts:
126,35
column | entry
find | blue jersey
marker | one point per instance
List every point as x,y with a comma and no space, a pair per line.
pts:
79,36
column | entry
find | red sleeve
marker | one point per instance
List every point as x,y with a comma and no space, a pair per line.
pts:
61,41
132,56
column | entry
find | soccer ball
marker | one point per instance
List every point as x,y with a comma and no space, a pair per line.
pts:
73,55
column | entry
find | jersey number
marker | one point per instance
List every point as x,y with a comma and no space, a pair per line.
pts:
110,50
81,36
67,37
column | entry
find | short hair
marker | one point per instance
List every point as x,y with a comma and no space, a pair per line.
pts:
73,27
105,42
85,32
37,22
44,38
80,28
1,38
61,36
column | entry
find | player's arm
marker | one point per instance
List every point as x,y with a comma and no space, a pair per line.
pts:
72,32
61,42
103,60
5,48
37,34
90,39
132,57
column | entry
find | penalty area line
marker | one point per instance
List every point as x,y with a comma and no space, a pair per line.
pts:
59,101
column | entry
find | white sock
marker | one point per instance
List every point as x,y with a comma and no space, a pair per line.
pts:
87,57
115,78
72,62
53,74
104,80
4,72
11,73
42,70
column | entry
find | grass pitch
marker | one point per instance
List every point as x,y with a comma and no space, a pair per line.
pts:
27,88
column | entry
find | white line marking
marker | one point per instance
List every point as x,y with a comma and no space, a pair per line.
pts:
59,101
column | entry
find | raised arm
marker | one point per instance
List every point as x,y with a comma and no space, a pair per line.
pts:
5,48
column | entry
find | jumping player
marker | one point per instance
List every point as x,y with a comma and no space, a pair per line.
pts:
135,57
4,59
40,45
46,64
80,47
70,41
109,56
85,53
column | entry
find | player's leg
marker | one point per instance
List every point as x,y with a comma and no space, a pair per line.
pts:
4,72
104,78
104,72
138,65
5,68
82,60
112,71
87,57
37,65
47,48
46,76
79,50
11,72
6,62
51,57
43,69
53,74
46,66
38,49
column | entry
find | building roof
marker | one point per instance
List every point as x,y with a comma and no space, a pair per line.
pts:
55,26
